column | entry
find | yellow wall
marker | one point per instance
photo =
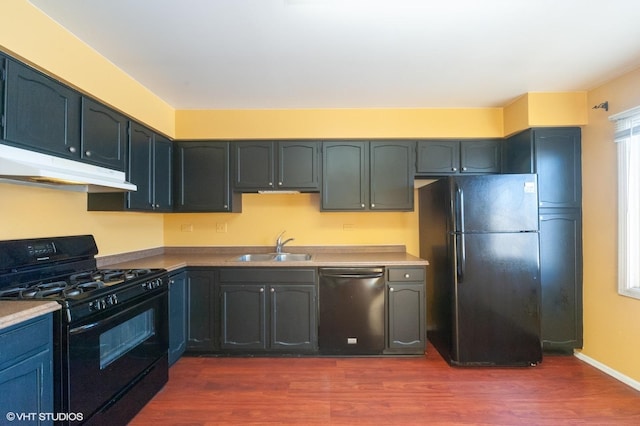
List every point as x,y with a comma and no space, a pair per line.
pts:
611,325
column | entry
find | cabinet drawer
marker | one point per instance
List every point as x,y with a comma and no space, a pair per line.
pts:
405,274
24,338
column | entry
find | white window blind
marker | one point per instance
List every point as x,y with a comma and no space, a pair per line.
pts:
627,138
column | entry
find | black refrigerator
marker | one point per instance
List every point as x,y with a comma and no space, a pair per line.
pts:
480,236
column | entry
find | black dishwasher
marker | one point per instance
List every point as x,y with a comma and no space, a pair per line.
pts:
351,311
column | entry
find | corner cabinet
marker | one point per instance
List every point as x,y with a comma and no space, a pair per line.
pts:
150,168
555,155
360,176
268,310
26,358
201,180
406,310
270,166
450,157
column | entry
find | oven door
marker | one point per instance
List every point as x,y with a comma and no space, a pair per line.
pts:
110,353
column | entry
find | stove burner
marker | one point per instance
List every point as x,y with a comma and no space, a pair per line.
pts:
43,290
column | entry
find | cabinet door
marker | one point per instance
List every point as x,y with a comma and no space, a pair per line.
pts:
202,177
480,156
201,311
41,113
344,176
407,316
140,170
558,164
298,165
293,311
104,135
253,165
561,279
177,316
391,169
162,174
517,153
26,378
438,157
3,100
243,316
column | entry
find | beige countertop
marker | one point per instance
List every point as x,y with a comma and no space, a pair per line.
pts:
15,312
173,258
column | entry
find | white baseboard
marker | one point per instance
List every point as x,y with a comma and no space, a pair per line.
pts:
608,370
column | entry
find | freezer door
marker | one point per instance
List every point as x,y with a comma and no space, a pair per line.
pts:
495,203
496,300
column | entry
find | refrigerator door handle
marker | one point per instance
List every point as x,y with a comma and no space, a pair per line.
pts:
461,209
461,256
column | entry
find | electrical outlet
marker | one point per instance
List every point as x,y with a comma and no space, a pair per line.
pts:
348,227
221,227
186,228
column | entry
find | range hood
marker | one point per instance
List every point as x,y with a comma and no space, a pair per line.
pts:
26,167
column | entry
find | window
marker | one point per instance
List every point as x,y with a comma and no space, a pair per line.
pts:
627,138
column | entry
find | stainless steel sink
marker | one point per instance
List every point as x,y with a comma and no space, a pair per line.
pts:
292,257
273,257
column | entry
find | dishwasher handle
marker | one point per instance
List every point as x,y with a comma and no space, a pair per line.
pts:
352,272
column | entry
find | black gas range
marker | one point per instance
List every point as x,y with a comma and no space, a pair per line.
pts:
112,327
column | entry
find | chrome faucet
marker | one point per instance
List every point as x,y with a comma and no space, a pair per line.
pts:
280,243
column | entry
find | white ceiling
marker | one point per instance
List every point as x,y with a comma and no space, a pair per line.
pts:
255,54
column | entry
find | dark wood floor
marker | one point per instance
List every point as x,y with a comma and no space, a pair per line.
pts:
387,391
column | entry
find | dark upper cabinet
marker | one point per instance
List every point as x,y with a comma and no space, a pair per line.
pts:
201,178
391,174
448,157
269,165
3,84
150,168
41,114
104,135
360,175
555,155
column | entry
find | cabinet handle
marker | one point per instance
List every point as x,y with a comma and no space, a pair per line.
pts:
362,205
280,183
87,153
453,169
372,205
407,276
273,290
72,149
261,289
270,183
171,281
390,288
464,168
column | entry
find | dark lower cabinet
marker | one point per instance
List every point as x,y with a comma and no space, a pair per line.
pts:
561,279
177,316
273,310
201,310
26,378
406,311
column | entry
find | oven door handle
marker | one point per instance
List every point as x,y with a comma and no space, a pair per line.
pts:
84,328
